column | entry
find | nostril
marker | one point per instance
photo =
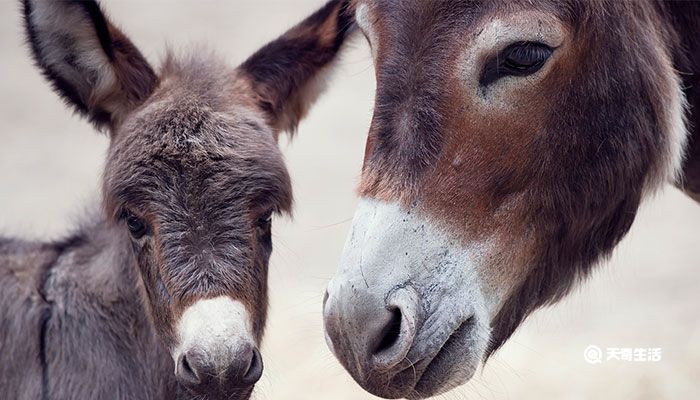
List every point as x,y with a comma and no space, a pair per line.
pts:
185,373
186,366
390,333
255,369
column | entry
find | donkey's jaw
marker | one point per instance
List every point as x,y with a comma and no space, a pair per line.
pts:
406,313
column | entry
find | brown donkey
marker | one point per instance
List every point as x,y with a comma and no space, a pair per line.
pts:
167,286
511,145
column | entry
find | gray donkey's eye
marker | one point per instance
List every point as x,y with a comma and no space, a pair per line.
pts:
264,223
137,227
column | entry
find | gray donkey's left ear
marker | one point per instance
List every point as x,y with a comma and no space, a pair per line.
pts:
287,73
88,61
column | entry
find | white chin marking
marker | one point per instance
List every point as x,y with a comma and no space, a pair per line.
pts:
218,326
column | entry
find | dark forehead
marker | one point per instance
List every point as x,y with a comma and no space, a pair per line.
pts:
426,17
419,100
197,138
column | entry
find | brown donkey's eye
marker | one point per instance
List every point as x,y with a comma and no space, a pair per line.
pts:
518,59
137,228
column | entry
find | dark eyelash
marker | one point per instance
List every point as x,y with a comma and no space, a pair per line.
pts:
518,59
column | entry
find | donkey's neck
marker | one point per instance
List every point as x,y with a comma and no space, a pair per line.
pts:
98,319
99,256
684,19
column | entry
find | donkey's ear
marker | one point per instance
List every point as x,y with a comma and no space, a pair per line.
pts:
287,73
88,61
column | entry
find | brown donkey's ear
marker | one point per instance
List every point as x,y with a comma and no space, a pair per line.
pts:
286,72
88,61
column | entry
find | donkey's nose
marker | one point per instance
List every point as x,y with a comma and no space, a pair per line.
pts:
251,372
195,371
191,371
371,333
217,355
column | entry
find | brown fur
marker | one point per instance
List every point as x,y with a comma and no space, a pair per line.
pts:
556,179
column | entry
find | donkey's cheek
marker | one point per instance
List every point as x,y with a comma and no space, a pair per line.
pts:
157,298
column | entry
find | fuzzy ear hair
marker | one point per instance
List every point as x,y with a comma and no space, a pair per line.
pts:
87,60
287,74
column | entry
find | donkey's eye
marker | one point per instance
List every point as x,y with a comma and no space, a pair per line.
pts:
518,59
137,227
265,221
525,57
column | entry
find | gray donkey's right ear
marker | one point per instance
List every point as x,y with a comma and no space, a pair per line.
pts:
89,62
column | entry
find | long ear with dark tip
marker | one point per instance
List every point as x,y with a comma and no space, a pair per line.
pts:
88,61
286,73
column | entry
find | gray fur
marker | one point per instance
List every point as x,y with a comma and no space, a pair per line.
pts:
74,326
193,159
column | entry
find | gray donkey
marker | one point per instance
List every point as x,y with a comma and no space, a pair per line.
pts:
172,274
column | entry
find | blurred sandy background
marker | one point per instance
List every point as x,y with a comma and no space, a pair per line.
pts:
647,296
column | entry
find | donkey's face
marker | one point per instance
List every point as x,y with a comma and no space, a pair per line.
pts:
193,174
510,147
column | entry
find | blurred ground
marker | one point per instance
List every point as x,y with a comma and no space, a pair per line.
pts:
647,296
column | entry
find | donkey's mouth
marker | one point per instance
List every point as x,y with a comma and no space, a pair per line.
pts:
439,375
